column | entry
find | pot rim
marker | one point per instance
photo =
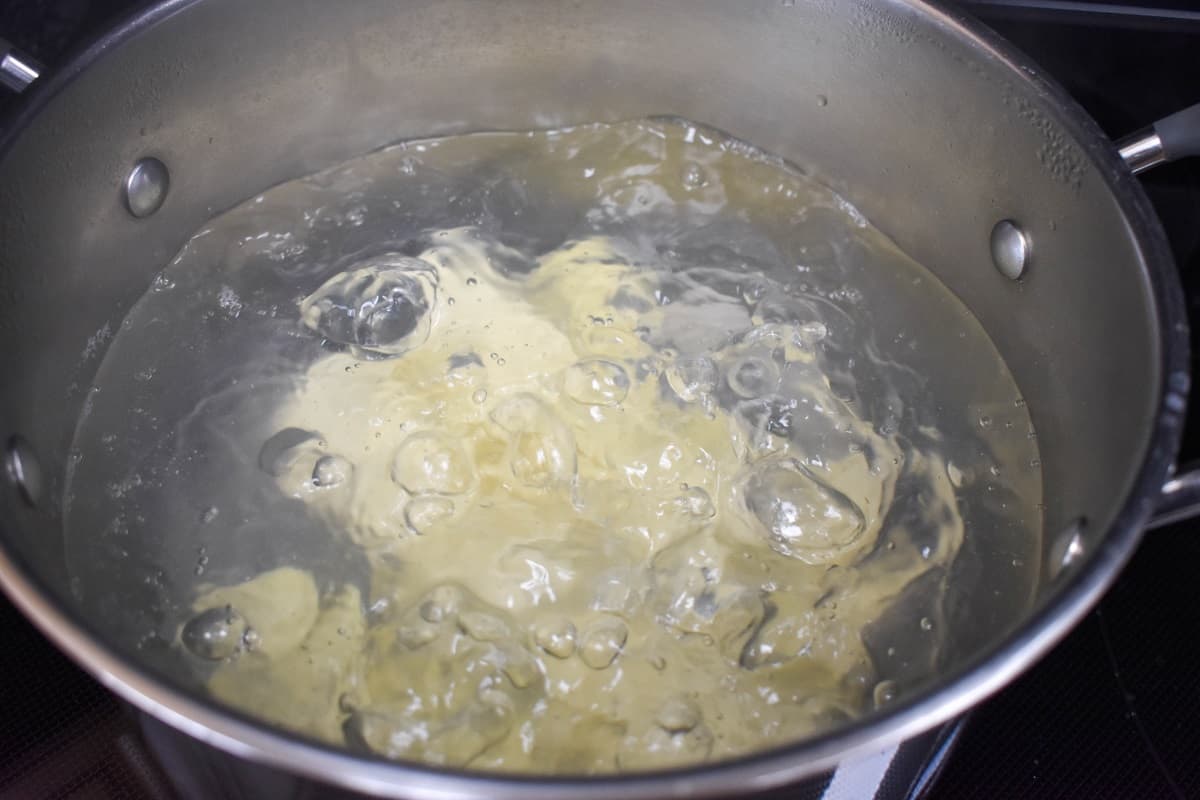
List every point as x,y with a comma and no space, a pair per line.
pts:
242,736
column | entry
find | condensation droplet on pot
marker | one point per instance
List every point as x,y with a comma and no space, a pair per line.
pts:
985,421
209,514
822,100
251,639
926,624
215,634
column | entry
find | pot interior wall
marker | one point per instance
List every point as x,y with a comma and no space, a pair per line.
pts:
891,104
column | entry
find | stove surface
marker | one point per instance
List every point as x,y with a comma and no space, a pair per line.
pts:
1113,712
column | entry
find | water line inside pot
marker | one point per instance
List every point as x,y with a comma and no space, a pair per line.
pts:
565,451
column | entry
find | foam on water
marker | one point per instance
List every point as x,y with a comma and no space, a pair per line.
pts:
567,451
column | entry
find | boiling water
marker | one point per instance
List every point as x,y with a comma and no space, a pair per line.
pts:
608,448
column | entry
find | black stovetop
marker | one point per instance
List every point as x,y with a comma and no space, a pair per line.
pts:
1113,712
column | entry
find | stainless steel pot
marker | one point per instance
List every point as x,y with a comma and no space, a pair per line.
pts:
951,142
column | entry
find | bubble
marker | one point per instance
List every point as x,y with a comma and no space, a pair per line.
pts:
658,748
483,627
251,639
696,503
694,597
282,450
753,377
538,460
811,333
596,382
885,692
382,308
479,397
463,361
694,177
429,463
209,515
764,418
602,642
802,516
678,715
541,449
556,638
425,513
215,634
331,471
518,666
926,624
692,378
441,603
955,474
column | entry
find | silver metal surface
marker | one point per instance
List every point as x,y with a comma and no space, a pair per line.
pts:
146,187
900,79
22,470
17,70
1180,498
1142,150
1067,549
1010,249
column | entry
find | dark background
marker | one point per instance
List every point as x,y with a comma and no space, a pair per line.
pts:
1113,712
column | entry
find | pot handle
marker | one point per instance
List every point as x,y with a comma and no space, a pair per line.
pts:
17,70
1172,137
1180,498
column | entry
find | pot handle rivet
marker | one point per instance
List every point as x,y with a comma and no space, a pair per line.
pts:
23,470
146,187
1010,249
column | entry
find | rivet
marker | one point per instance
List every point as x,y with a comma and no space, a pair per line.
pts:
23,470
1010,249
146,187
